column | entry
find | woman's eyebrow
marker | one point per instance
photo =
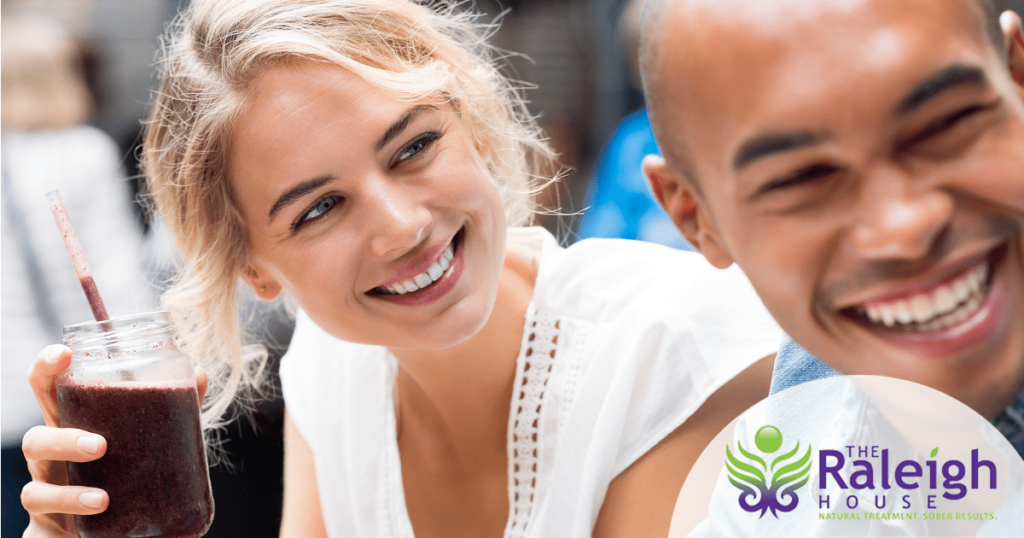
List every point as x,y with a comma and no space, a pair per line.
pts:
307,187
296,192
400,125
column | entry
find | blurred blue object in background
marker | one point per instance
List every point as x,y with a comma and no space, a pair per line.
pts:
620,203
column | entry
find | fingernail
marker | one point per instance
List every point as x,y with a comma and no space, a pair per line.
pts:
55,353
89,444
91,499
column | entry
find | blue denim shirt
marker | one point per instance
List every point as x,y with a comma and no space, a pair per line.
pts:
795,365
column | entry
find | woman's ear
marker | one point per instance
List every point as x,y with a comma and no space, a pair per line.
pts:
481,148
265,287
1014,38
677,196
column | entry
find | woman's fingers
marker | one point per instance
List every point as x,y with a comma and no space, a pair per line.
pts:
45,443
201,383
53,526
42,498
50,362
49,501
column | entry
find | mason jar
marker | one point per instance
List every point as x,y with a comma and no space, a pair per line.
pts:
129,382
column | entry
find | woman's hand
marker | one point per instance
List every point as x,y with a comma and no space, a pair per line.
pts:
49,500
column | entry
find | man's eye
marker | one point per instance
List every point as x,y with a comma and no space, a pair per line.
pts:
417,146
947,123
808,174
318,210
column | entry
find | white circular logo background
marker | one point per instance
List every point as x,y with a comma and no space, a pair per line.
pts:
855,456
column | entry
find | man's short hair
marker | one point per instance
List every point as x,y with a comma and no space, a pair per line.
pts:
655,14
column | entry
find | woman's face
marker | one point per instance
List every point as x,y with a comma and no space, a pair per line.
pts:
373,212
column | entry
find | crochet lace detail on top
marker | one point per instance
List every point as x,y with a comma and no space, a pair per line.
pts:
536,358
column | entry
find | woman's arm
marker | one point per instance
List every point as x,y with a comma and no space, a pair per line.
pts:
641,499
301,516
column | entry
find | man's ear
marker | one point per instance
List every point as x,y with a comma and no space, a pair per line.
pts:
676,195
1014,38
266,287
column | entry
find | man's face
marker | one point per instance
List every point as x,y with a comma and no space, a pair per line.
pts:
863,162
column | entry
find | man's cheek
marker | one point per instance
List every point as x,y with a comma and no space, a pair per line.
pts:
790,312
1000,178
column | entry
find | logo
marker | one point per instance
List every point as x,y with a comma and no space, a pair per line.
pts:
767,486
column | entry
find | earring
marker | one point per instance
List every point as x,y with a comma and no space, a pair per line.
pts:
263,289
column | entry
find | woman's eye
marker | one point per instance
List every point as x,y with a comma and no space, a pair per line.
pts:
417,146
318,210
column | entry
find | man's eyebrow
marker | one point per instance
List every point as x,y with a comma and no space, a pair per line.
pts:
297,192
770,143
400,125
953,76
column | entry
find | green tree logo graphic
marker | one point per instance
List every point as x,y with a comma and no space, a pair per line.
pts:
766,486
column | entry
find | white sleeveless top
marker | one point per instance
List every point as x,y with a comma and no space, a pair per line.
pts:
644,335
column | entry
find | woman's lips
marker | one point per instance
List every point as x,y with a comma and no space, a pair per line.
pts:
424,279
452,260
418,266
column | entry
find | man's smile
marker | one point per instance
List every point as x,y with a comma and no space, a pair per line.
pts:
952,309
950,303
946,297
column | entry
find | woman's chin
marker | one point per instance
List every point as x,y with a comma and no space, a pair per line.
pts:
450,333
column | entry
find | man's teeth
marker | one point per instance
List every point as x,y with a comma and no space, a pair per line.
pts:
948,305
426,278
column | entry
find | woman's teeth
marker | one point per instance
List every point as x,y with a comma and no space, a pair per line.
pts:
425,278
946,306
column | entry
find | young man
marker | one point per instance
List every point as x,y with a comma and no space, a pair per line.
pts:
863,162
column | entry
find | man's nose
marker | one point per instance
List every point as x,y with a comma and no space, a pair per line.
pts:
401,219
899,217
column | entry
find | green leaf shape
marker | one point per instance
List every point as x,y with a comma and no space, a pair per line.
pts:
801,466
935,452
786,456
798,485
742,486
752,456
736,468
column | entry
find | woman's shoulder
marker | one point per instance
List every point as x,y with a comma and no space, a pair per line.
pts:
606,279
329,384
315,347
315,358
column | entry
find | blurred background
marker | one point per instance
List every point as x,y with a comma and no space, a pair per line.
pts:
93,62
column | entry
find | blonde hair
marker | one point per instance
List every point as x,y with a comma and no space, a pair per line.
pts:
215,51
41,79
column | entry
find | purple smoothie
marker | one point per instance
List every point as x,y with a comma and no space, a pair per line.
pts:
154,469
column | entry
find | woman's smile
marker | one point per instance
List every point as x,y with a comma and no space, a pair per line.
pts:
363,205
425,285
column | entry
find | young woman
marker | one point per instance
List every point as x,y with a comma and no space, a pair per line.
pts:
449,375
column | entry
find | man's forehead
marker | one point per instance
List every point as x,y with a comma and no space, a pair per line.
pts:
707,33
736,59
775,16
757,14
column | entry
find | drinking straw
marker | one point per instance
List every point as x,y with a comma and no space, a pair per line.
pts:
60,214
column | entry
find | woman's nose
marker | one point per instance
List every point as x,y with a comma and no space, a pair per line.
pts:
899,218
401,219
